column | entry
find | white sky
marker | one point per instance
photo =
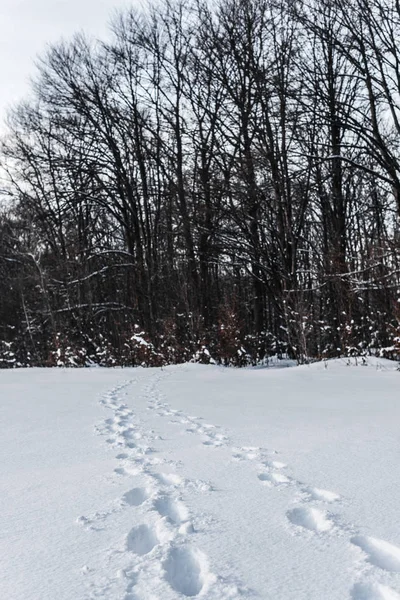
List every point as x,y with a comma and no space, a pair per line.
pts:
26,26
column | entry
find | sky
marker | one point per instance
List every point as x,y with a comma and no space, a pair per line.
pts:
27,26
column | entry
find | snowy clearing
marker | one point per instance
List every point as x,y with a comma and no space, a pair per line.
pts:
195,481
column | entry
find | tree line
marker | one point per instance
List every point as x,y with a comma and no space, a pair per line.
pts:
219,181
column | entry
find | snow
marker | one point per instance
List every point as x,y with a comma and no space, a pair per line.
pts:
200,481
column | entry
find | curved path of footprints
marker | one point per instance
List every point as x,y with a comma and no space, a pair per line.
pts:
163,550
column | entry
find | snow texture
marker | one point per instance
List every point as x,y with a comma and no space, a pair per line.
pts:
195,481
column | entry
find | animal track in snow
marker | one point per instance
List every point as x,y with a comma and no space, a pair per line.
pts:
323,495
312,519
175,510
274,464
193,426
170,479
184,567
373,591
127,432
185,570
127,471
141,540
380,553
92,521
213,443
209,432
250,453
84,521
274,478
135,497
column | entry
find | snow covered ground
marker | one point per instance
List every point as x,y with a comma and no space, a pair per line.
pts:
195,481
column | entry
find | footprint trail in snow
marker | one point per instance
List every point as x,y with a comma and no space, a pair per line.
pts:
160,554
304,516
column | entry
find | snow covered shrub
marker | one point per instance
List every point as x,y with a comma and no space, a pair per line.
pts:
139,350
203,356
229,340
174,342
67,354
8,359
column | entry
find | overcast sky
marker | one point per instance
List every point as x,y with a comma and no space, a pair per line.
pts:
26,26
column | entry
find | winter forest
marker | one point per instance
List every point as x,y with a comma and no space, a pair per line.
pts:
217,181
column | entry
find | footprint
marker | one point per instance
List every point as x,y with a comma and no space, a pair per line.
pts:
373,591
141,540
310,518
274,478
92,521
126,472
214,443
135,497
127,433
132,581
215,440
168,479
120,471
184,570
138,450
186,528
380,553
274,464
123,415
324,495
174,510
132,446
245,456
246,453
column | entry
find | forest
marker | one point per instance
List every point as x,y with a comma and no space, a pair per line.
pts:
218,181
